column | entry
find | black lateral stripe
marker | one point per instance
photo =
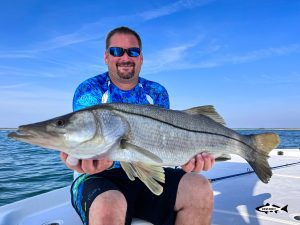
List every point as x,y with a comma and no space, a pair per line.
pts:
195,131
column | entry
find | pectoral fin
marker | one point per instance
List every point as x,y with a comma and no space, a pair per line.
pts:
148,174
126,145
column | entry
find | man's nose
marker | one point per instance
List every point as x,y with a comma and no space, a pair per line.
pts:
125,56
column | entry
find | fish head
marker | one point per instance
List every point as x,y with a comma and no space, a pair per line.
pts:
62,133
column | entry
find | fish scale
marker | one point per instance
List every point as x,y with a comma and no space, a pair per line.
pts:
179,119
179,145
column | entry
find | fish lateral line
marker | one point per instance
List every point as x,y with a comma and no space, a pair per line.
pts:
182,128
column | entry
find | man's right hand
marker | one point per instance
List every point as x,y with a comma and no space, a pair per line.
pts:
89,166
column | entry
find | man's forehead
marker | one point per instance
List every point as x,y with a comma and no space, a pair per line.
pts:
121,38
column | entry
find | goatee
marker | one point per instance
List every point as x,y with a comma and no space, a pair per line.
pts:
126,73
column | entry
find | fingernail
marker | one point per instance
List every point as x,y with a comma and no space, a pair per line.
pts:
72,161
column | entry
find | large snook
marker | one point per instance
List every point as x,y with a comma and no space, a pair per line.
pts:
144,138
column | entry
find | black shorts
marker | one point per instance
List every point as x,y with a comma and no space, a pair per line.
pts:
141,202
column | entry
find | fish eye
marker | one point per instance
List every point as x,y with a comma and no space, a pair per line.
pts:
60,123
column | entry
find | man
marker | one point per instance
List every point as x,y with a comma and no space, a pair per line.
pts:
104,194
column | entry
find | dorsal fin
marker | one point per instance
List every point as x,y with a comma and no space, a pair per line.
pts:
206,110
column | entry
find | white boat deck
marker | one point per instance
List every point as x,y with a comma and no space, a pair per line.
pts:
236,197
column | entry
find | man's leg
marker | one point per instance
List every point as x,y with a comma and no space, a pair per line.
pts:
108,208
194,202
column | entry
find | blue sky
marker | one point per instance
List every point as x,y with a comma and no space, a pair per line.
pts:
243,57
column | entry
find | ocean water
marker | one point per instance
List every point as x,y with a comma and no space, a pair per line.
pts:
27,170
288,138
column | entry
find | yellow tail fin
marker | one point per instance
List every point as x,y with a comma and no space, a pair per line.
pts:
266,142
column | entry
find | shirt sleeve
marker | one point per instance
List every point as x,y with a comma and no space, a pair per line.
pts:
163,98
158,93
85,96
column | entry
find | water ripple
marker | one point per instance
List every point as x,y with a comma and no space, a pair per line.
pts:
28,170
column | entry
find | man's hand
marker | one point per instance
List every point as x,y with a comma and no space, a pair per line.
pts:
86,166
203,161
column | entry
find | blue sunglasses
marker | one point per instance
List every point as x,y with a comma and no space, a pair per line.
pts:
118,51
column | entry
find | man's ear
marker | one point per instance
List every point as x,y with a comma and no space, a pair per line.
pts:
106,57
142,58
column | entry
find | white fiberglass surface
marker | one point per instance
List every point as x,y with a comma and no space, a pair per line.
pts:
236,198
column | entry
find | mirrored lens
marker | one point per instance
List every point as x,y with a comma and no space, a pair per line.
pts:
118,51
133,52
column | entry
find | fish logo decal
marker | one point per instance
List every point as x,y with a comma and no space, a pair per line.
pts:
267,208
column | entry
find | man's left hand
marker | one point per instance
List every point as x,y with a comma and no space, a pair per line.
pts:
203,161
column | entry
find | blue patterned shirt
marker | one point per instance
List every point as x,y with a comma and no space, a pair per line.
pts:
100,89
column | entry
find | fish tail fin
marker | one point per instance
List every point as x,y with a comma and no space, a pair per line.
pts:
264,143
285,208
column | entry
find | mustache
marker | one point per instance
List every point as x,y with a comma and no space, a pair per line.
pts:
126,64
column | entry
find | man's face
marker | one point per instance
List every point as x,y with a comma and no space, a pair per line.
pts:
123,69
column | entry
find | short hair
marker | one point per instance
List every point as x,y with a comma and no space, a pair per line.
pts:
122,30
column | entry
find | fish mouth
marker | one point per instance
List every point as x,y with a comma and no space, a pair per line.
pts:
21,133
32,136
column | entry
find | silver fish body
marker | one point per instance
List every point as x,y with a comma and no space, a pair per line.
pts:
145,137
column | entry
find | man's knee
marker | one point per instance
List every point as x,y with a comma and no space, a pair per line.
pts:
108,208
194,190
